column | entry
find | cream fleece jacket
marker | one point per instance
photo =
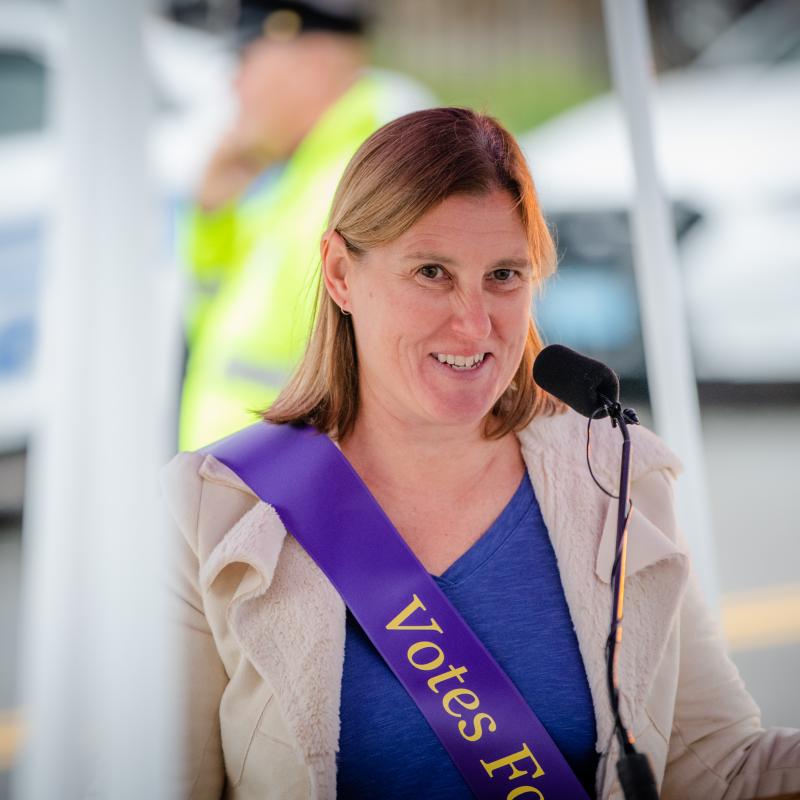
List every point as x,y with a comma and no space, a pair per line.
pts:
262,633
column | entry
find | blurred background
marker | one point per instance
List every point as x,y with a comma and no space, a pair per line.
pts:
726,108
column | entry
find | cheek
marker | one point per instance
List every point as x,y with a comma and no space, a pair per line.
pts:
518,321
260,81
387,323
251,97
380,325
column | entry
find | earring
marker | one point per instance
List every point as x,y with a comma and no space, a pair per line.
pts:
344,313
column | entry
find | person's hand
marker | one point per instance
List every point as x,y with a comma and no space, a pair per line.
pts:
242,154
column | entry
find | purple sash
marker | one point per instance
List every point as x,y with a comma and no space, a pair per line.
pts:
490,732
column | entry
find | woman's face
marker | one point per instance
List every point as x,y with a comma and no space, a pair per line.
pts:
441,313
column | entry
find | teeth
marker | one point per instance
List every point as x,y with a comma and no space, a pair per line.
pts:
461,362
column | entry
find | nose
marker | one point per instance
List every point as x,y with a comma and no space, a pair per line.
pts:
240,70
471,317
237,79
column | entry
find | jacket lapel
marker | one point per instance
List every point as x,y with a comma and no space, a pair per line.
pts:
289,622
577,513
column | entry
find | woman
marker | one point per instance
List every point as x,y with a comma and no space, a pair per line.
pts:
419,368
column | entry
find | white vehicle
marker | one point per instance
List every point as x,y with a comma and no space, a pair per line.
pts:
191,75
727,135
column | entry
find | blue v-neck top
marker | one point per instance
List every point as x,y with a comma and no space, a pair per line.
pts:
507,588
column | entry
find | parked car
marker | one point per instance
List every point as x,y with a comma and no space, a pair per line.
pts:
727,130
191,74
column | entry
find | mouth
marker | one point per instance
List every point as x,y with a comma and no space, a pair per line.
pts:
461,363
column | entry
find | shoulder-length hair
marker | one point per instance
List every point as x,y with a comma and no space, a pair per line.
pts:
402,171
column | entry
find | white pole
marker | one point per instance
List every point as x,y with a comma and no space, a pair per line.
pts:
96,668
670,374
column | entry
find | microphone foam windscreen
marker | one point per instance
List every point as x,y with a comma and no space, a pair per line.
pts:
576,379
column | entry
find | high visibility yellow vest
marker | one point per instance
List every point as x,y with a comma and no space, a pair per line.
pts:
258,262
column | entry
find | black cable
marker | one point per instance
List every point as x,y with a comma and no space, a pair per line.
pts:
588,462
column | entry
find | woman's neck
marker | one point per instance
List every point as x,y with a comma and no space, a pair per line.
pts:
394,456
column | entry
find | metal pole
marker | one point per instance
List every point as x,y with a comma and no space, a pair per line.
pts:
96,668
670,374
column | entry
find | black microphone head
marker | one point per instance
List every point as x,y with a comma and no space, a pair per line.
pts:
580,381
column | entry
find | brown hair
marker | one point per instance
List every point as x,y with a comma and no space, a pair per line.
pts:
402,171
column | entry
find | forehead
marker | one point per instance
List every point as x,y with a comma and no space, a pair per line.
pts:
466,220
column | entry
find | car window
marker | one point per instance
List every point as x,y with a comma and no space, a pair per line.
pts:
22,92
769,34
592,303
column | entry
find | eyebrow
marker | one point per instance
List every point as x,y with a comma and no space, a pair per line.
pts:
503,263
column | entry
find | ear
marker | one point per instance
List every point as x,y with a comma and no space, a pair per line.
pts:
337,267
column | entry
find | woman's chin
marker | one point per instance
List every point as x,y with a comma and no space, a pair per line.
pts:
463,409
459,398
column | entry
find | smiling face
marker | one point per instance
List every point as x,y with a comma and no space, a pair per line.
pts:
441,313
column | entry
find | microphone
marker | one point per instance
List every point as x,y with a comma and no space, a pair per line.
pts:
588,386
592,389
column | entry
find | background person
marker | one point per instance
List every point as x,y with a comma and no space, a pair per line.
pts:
306,100
419,366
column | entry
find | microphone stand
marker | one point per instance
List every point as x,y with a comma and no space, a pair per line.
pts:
633,768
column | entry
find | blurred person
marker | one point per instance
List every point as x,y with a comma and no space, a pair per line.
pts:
418,369
306,100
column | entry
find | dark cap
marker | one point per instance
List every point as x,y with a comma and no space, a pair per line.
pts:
284,21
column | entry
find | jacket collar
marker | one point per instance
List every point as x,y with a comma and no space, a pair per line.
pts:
289,642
